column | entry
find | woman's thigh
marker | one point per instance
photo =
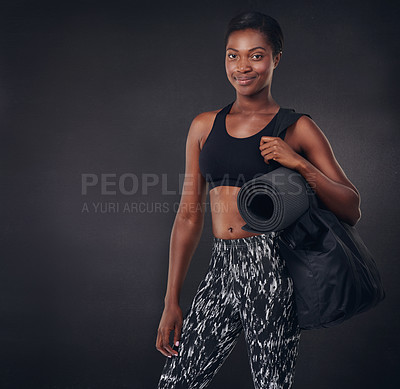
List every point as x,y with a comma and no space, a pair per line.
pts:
210,330
266,298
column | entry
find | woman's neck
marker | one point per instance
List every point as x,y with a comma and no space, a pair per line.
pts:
254,103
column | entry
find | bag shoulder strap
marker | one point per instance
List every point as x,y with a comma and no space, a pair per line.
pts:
287,117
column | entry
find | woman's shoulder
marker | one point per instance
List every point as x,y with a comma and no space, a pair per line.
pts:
305,134
304,125
205,118
202,124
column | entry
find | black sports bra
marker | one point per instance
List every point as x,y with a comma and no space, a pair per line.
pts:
229,161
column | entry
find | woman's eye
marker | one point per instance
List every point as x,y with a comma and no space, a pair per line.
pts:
231,56
257,56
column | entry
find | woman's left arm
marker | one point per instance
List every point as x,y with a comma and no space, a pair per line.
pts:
319,167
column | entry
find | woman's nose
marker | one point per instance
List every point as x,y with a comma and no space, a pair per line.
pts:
243,64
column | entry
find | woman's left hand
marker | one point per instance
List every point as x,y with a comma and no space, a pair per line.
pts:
275,148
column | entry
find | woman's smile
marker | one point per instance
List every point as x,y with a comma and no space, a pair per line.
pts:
244,80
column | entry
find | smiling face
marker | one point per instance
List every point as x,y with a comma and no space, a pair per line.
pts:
249,61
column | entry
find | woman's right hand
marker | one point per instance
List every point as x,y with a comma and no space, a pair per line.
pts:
171,320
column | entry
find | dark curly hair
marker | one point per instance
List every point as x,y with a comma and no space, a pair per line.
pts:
267,25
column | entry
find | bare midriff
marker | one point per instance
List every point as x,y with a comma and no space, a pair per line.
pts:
226,220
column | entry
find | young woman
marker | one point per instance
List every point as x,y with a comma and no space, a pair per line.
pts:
247,286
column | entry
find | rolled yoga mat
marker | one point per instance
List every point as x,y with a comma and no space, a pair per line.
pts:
273,201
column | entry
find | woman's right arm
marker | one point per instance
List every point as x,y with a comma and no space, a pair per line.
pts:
185,236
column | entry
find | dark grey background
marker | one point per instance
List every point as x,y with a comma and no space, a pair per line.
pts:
100,88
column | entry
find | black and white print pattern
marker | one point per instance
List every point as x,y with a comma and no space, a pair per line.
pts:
246,287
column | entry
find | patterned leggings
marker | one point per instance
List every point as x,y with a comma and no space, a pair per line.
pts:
246,287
